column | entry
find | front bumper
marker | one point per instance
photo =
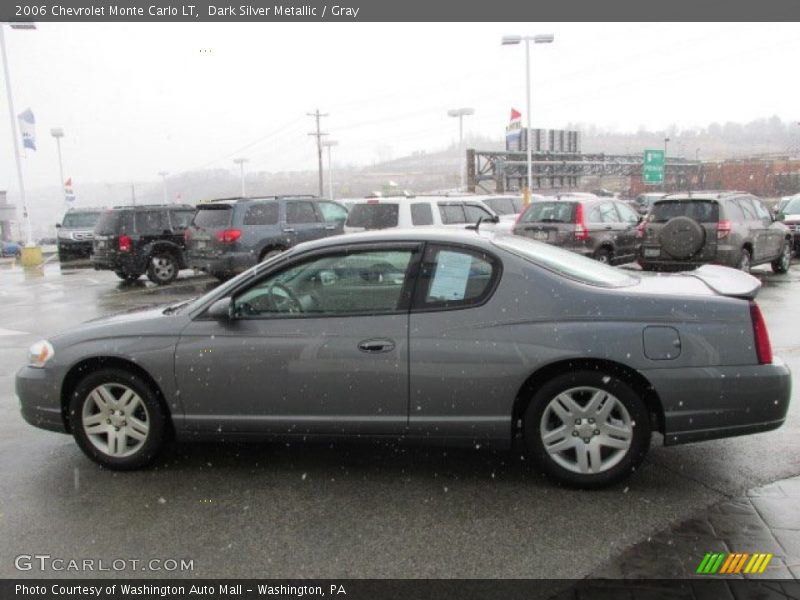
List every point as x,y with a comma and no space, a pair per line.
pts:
705,403
73,248
40,399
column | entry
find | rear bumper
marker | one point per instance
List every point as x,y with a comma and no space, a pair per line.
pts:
224,264
706,403
118,261
725,255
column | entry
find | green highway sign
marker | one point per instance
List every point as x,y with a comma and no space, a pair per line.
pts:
653,167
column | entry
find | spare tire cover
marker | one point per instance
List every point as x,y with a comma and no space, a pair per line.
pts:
682,237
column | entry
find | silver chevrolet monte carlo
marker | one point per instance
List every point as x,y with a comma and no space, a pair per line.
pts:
426,335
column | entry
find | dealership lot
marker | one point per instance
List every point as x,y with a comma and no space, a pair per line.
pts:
357,510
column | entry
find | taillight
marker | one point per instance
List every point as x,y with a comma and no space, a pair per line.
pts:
518,220
124,243
640,228
228,236
187,235
581,233
723,228
761,335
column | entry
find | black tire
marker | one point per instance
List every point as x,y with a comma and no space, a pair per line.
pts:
162,267
125,276
156,419
745,261
603,255
781,265
269,253
621,462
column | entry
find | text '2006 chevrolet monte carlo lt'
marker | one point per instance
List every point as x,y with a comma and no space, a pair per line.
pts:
433,336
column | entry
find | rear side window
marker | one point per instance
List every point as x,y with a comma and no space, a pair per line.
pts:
374,216
703,211
549,212
151,221
265,213
421,214
108,222
300,212
452,214
455,277
213,216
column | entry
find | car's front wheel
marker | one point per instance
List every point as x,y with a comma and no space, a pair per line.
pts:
162,268
117,419
587,429
781,264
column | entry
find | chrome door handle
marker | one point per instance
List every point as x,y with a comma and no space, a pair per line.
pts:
376,346
330,227
288,230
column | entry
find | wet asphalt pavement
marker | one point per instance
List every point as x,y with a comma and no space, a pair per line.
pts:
342,510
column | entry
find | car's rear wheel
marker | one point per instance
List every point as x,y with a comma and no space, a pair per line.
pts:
587,429
162,268
117,419
744,262
126,276
781,265
603,255
269,253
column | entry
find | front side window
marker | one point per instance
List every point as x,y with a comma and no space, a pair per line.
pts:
452,213
263,213
608,213
502,205
332,213
298,212
762,212
453,277
365,282
627,214
475,212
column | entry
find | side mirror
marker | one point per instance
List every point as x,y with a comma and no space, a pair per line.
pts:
58,225
780,216
221,310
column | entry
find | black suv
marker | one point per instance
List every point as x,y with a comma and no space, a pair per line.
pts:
230,235
727,228
133,240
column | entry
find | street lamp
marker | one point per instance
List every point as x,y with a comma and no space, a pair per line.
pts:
58,133
511,40
163,175
240,162
26,216
330,144
461,113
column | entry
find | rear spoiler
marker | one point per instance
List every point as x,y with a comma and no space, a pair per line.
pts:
727,281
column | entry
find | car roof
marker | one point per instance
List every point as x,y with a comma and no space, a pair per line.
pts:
154,207
481,238
704,195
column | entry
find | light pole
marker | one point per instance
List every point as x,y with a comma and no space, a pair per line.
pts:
461,113
330,144
512,40
26,216
163,175
58,133
666,141
240,162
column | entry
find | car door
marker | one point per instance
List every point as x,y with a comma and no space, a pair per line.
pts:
626,237
316,345
302,222
759,230
456,379
333,216
775,233
475,211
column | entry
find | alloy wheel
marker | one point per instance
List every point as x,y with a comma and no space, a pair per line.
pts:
115,420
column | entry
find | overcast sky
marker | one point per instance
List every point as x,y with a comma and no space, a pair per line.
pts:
135,99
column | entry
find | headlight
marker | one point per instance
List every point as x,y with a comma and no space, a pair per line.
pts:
40,353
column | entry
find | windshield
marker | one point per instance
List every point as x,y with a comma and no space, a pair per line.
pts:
702,211
566,263
550,212
374,216
81,219
213,216
792,207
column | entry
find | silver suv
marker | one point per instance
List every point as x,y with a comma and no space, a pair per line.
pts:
75,233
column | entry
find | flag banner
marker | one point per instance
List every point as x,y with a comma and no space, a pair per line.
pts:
27,127
69,195
513,131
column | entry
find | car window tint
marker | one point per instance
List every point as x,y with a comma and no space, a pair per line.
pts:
452,213
549,212
594,214
703,211
421,213
608,213
475,212
262,213
207,216
733,211
374,216
455,277
150,221
300,212
761,211
332,213
368,282
747,208
181,218
626,213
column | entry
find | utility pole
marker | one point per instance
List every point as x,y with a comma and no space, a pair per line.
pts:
58,133
240,161
318,134
163,175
